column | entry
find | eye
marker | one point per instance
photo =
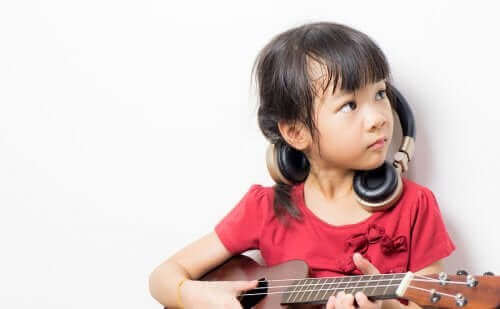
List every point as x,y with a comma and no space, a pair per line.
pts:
381,94
349,106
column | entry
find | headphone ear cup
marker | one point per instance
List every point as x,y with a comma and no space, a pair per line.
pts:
286,164
377,185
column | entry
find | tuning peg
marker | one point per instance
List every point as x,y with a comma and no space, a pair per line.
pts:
471,281
460,300
435,296
443,277
462,272
488,273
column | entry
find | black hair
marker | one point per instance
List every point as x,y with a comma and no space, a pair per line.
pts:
286,90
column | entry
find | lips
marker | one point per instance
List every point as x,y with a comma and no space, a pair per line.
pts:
380,140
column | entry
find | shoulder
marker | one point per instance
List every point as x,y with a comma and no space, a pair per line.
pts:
260,193
415,194
241,228
412,188
420,199
258,198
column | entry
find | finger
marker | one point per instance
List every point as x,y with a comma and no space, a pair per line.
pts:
344,301
330,304
340,295
338,300
363,301
364,265
347,301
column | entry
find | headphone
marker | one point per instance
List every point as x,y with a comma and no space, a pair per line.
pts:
376,189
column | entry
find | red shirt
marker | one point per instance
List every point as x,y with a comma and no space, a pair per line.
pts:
407,237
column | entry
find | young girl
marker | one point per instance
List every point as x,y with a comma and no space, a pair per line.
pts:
323,91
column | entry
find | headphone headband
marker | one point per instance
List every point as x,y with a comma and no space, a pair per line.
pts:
407,120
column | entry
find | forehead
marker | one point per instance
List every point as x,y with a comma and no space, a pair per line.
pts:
318,75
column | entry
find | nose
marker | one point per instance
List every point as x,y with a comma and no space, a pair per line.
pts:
375,119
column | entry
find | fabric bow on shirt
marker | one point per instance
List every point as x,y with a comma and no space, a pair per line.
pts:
361,241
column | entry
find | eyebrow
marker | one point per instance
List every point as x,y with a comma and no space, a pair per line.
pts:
343,93
339,97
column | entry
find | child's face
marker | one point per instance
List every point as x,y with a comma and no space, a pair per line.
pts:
349,123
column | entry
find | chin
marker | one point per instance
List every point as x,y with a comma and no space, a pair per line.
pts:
372,164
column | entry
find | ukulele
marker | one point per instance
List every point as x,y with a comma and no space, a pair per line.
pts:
431,291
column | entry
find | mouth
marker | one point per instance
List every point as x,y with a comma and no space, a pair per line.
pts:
379,143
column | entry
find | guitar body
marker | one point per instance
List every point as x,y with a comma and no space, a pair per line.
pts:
241,267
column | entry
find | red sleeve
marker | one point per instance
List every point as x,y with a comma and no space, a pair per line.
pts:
240,229
430,241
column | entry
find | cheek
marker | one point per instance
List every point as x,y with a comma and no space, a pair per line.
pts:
390,121
338,138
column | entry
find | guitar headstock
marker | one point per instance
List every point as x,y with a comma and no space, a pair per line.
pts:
453,291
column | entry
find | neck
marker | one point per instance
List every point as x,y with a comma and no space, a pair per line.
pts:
331,185
318,290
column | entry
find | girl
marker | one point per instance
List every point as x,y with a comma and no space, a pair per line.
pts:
323,91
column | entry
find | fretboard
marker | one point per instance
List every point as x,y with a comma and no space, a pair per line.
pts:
318,290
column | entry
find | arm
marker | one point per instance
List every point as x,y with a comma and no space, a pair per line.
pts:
431,269
190,262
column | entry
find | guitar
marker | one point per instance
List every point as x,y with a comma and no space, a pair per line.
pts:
434,291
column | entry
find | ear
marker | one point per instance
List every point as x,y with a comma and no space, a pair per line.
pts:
295,134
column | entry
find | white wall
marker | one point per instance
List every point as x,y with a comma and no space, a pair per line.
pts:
128,129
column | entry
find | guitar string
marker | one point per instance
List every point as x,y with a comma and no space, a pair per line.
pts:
391,274
437,280
311,284
290,292
424,276
426,290
426,279
378,286
344,288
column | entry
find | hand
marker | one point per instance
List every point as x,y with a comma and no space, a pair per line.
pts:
346,301
214,294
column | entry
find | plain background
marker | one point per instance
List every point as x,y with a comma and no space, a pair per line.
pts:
128,129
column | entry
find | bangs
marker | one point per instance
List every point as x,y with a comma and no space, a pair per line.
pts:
350,57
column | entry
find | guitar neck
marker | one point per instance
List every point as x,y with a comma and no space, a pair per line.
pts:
318,290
